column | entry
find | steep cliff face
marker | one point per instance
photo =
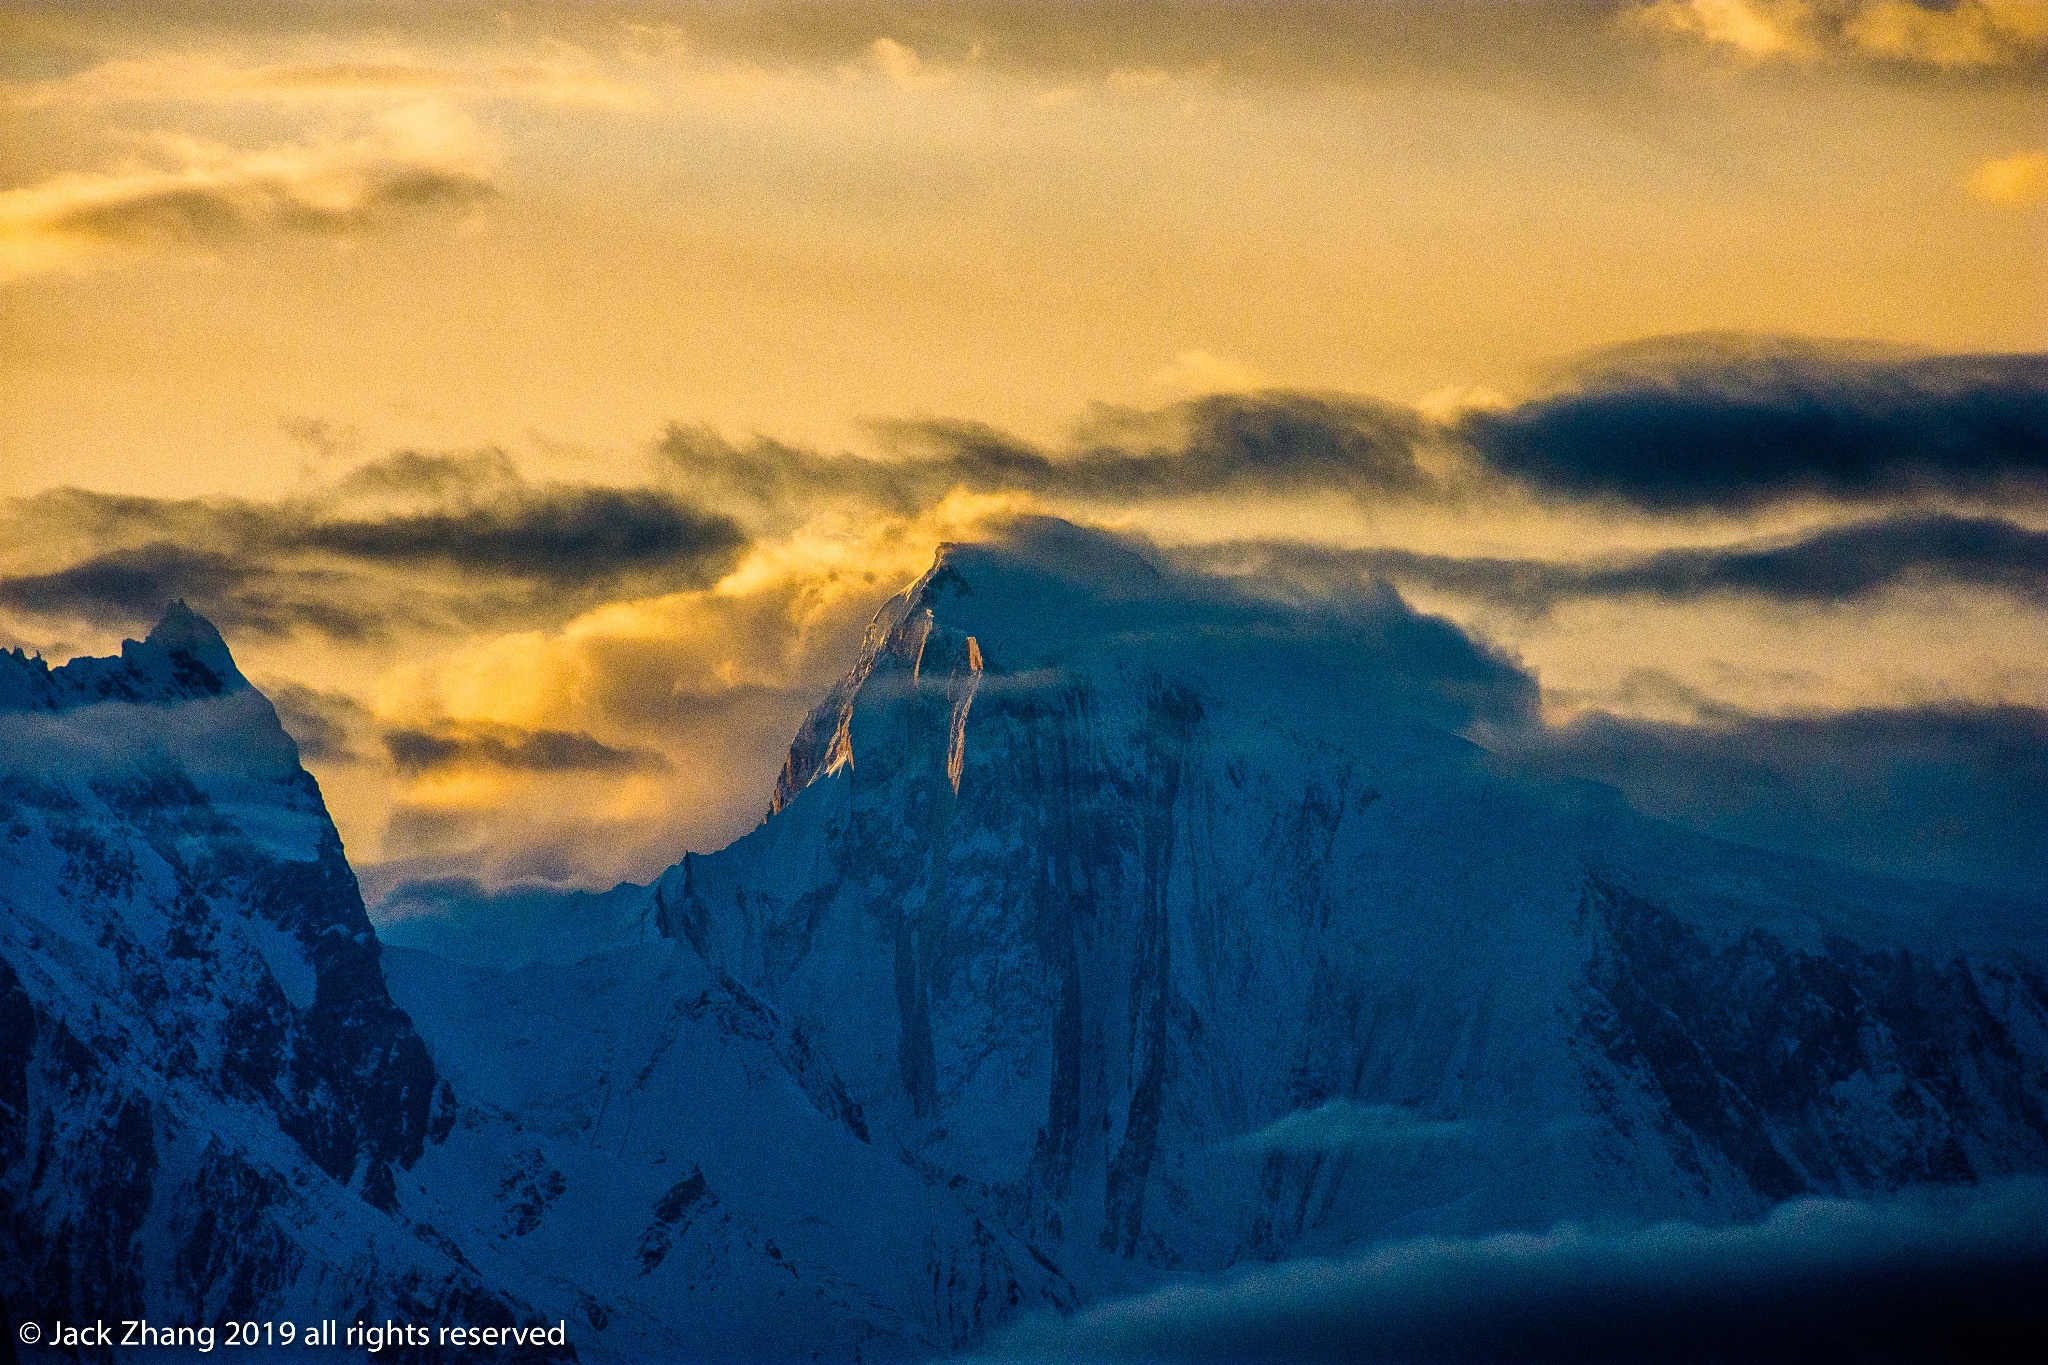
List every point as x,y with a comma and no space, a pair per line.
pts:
208,1096
1185,930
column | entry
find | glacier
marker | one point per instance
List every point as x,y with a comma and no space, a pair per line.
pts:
1112,928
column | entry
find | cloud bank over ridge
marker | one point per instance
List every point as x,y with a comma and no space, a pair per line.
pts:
1926,1276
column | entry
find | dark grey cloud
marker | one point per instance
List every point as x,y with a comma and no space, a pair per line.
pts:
1933,1275
1264,443
1834,564
503,746
127,583
474,542
1844,562
558,535
240,594
1674,425
1686,424
1954,793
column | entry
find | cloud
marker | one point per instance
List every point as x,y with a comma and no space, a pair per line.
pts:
1932,1275
1199,372
1842,562
1949,792
1063,586
473,541
417,160
1726,422
462,475
2012,181
1221,443
1718,423
1829,565
554,74
900,65
1342,1124
323,723
563,535
1967,33
1757,29
241,594
472,744
1957,35
127,584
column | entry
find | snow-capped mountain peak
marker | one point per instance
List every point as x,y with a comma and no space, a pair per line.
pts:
1089,872
182,659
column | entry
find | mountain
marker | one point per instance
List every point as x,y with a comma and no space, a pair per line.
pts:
212,1107
1111,927
1181,926
207,1096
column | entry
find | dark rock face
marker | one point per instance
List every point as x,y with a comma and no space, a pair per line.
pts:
193,1020
1778,1059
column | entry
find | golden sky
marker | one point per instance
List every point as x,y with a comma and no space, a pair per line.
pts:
359,326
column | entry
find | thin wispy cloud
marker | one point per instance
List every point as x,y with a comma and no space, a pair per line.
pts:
1830,565
183,192
1346,1125
416,751
552,74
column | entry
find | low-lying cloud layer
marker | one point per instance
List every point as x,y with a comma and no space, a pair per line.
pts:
1934,1275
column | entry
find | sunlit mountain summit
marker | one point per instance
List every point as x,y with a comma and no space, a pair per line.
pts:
1114,928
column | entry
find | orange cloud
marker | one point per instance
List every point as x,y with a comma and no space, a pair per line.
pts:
2021,178
1968,34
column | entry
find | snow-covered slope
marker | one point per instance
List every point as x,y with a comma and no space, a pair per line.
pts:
1183,928
687,1175
207,1097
